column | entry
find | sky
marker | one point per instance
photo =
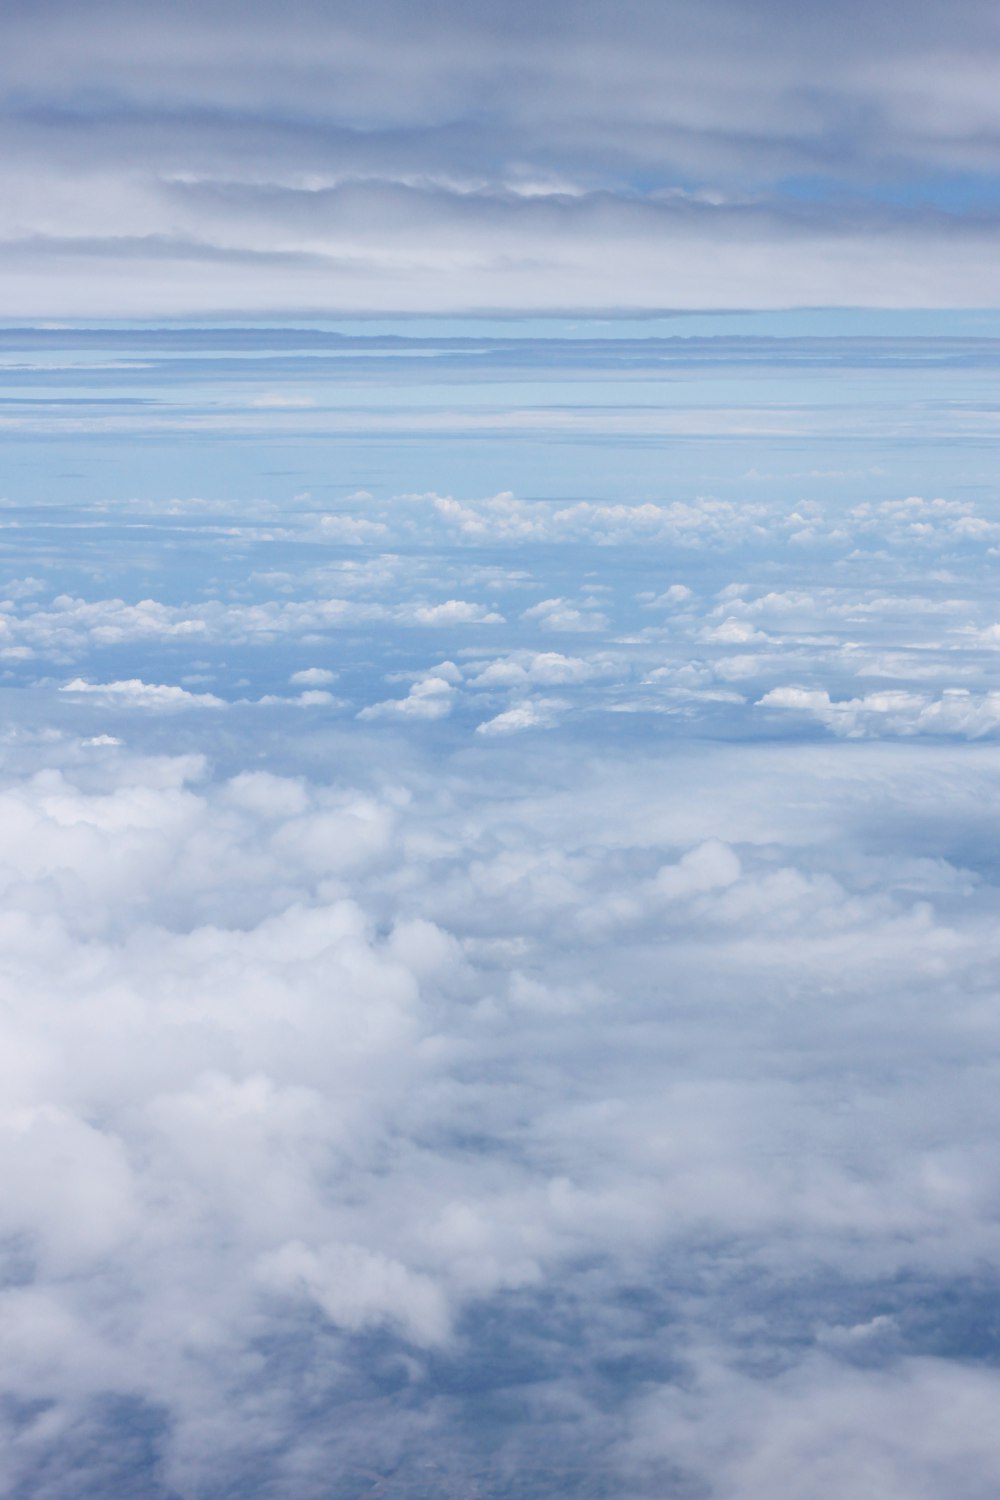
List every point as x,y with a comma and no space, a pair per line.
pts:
570,156
499,750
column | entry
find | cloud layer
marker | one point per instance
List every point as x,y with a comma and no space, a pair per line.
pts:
237,158
351,1082
497,979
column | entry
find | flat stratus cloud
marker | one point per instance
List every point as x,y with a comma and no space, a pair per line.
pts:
675,155
136,693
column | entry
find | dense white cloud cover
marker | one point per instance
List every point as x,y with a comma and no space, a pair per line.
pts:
338,1067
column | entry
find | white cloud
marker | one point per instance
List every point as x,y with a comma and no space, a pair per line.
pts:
562,614
338,1070
310,698
428,698
358,1288
676,596
453,612
375,183
708,867
544,668
355,529
733,633
534,713
313,677
506,517
895,711
135,693
363,1076
71,626
820,1430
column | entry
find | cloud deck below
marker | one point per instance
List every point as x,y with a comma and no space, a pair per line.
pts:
497,986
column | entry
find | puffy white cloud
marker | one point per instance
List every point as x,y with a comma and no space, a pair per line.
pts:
675,597
734,633
506,517
819,1430
428,698
562,614
533,713
71,626
895,711
454,612
709,866
339,1071
357,1288
522,669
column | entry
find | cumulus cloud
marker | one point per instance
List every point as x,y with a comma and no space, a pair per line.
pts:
710,866
562,614
390,1098
676,596
545,668
508,517
428,698
533,713
734,633
454,612
71,625
957,711
825,1428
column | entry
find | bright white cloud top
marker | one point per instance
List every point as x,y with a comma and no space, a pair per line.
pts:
498,945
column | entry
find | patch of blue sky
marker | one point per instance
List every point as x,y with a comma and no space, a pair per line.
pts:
956,192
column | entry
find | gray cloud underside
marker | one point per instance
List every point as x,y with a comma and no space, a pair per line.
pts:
580,157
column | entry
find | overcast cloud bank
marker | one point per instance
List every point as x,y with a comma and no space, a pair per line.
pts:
255,157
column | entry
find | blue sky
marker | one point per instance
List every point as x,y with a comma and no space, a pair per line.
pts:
498,659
